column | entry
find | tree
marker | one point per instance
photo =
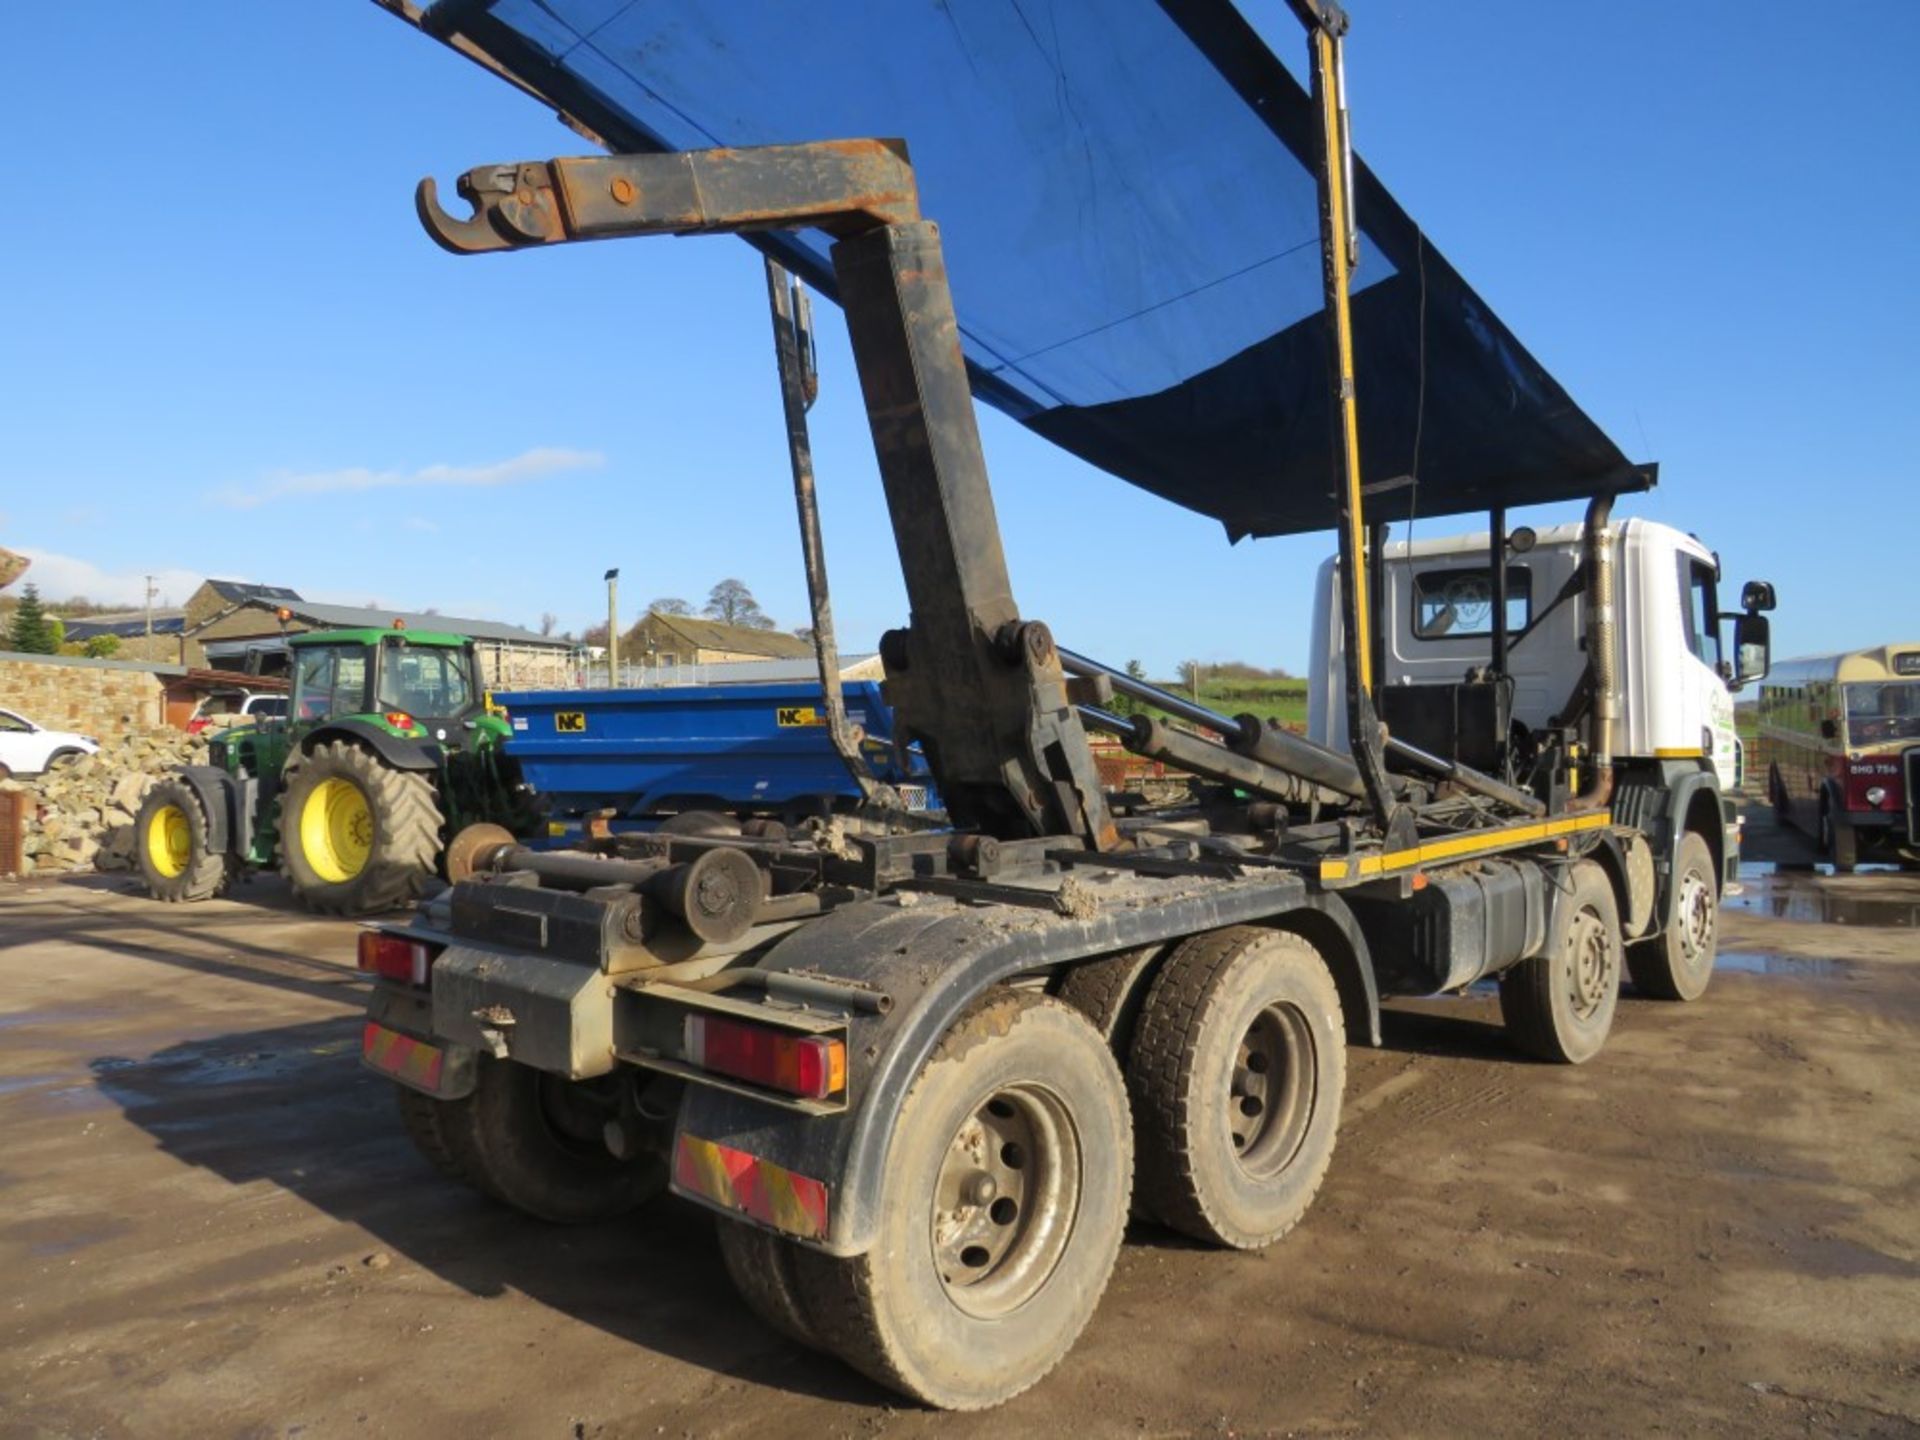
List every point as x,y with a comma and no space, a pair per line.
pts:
595,636
730,601
671,605
1126,704
32,631
803,632
102,647
548,622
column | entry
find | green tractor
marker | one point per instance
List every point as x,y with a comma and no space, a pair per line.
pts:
387,748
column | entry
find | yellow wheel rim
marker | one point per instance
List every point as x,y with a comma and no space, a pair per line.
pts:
169,841
336,830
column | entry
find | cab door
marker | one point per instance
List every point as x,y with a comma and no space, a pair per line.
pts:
1705,719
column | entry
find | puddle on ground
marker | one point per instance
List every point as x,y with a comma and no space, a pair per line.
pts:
1751,962
1811,896
14,1084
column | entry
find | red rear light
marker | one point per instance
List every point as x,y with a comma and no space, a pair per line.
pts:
398,719
391,957
810,1066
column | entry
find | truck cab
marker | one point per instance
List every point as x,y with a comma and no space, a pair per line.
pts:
1677,660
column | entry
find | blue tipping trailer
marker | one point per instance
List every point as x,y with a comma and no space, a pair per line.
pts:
644,753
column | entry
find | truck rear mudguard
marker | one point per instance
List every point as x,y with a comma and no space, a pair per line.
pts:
932,958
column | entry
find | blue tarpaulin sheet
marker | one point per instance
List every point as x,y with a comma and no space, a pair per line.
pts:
1126,197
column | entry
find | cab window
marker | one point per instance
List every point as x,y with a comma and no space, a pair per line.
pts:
1878,712
332,681
1450,604
424,681
1698,610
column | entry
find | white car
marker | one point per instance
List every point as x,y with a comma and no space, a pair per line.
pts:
26,749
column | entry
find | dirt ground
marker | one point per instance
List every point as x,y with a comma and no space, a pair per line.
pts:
211,1224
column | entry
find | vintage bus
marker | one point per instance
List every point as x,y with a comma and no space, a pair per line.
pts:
1840,739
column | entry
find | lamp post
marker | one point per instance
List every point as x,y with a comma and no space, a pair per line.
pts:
613,629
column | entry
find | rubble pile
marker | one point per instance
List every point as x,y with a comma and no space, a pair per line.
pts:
87,806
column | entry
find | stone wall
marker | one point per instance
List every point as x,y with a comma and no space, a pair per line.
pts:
101,698
81,815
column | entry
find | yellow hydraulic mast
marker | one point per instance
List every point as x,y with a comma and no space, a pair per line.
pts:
1326,25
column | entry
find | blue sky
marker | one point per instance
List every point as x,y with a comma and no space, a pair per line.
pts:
228,349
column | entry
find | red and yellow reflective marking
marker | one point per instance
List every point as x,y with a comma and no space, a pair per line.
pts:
1460,846
402,1056
757,1188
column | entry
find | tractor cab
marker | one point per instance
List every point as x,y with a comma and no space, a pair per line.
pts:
419,684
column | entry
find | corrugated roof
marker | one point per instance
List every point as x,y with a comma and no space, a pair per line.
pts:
349,617
741,639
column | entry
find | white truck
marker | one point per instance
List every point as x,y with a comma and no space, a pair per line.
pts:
1449,623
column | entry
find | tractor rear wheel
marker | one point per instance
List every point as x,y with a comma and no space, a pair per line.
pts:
170,846
357,836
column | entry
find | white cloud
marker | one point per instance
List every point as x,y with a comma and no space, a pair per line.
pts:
528,465
62,577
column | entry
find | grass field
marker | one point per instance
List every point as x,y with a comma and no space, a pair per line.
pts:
1282,700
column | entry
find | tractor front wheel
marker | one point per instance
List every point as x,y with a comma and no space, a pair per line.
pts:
170,846
357,836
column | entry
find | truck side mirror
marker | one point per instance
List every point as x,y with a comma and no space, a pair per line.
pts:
1757,595
1752,645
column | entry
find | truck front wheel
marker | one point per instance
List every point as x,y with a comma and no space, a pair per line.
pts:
1678,964
1000,1213
532,1141
1236,1073
170,846
1559,1006
357,836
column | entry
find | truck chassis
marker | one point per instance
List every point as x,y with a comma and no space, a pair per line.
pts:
923,1077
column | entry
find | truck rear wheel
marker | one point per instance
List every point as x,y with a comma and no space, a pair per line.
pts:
760,1264
170,846
1559,1005
1001,1212
532,1141
1236,1073
1678,964
357,836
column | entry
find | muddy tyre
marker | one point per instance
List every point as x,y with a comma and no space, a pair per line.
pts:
1678,964
1236,1075
532,1141
760,1264
1559,1006
171,848
1002,1205
358,837
1111,991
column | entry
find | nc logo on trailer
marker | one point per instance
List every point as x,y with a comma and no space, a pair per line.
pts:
570,722
789,715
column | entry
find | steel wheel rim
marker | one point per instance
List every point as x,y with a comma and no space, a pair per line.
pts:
1697,919
336,830
1005,1200
169,841
1272,1091
1589,965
